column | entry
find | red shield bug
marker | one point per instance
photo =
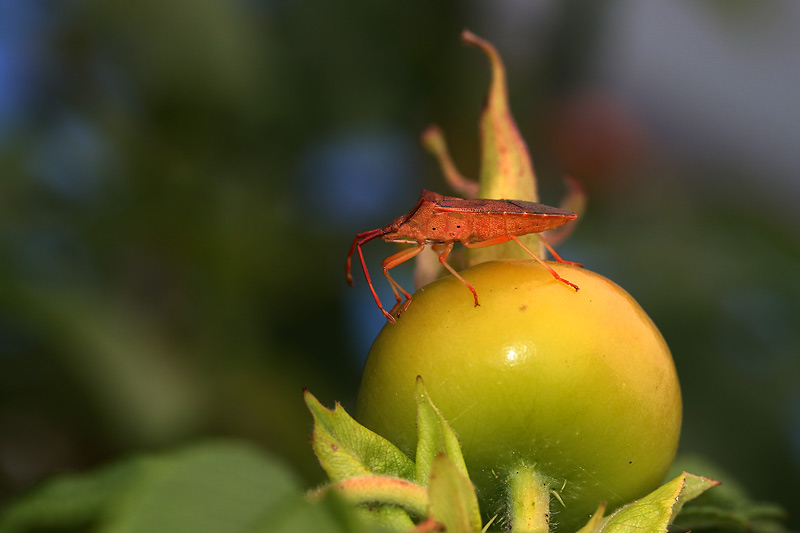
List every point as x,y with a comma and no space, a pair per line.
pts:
442,220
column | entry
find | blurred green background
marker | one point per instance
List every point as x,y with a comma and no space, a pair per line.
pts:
180,182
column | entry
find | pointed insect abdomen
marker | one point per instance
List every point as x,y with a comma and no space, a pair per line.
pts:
490,226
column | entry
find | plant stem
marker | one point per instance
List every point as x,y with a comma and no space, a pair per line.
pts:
529,500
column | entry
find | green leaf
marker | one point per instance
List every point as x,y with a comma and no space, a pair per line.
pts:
380,490
386,519
347,449
138,385
693,487
453,501
434,437
595,521
654,512
506,167
329,515
220,487
214,487
72,501
727,507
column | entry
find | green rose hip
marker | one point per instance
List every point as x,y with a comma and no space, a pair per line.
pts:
577,389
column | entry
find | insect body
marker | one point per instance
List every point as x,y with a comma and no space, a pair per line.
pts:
442,220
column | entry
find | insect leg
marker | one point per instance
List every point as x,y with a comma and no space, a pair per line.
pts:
391,262
358,242
555,255
549,269
489,242
443,260
503,238
361,239
389,317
